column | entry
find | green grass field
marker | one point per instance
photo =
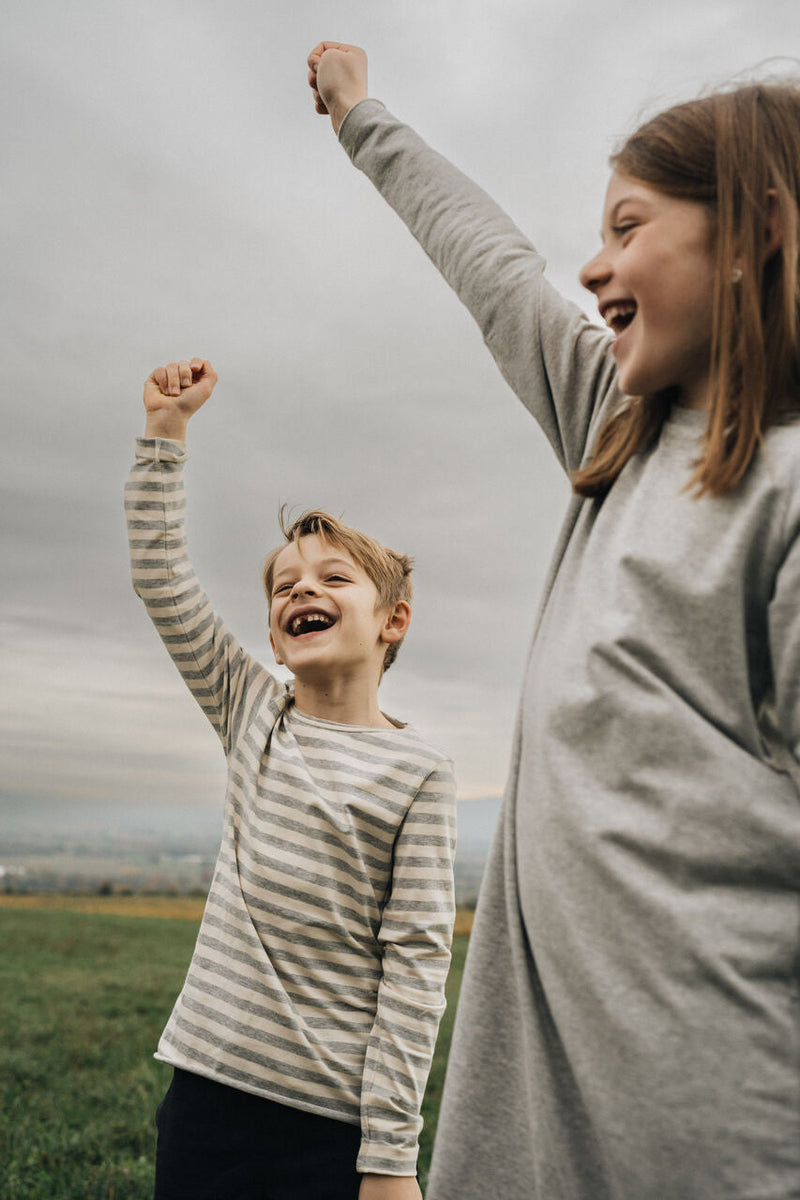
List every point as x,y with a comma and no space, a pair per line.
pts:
83,999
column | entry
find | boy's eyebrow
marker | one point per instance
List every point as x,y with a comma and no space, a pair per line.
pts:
324,564
337,562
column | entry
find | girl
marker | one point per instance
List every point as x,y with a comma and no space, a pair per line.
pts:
628,1025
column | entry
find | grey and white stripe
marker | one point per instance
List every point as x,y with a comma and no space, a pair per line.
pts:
318,975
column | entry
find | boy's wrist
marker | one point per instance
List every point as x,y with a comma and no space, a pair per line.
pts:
389,1187
166,425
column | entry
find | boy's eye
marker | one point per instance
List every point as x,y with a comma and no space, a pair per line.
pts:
284,587
338,579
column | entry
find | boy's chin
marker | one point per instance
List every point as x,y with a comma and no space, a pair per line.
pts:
311,666
312,659
296,655
328,668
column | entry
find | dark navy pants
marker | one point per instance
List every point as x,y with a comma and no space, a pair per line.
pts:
218,1143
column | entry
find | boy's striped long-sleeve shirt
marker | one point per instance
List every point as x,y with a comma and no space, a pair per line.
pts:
318,975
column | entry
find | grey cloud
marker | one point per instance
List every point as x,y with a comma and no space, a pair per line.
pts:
169,191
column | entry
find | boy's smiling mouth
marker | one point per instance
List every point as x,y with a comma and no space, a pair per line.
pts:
312,620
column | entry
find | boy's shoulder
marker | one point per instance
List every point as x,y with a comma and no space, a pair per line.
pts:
413,738
401,742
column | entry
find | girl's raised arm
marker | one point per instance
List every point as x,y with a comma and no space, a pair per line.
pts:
554,358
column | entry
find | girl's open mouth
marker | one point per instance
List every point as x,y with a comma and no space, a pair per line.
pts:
619,316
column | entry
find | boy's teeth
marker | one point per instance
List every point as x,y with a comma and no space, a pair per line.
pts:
305,619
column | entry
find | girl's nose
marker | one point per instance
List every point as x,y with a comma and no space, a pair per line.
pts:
596,272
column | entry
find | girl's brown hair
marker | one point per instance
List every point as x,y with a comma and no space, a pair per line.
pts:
737,151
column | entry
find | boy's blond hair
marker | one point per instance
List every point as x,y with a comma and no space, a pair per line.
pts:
388,570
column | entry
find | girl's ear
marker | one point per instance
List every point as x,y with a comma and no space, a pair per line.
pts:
772,236
773,233
397,622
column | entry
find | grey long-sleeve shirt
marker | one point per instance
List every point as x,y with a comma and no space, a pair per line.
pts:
628,1025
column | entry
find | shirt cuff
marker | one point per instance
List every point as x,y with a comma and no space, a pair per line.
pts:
380,1158
354,120
160,450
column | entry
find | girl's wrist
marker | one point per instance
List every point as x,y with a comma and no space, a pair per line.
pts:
340,110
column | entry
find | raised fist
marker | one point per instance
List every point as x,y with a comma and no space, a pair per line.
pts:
172,394
337,75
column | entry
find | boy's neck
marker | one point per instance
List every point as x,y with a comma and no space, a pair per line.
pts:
345,701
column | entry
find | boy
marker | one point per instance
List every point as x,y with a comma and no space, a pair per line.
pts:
303,1035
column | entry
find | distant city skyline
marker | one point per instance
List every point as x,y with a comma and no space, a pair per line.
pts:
85,857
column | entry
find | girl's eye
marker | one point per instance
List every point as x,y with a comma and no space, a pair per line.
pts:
622,230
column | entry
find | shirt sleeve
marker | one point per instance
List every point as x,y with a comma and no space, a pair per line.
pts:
556,360
415,935
219,674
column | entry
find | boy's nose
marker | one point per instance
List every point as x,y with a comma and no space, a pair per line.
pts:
304,587
595,272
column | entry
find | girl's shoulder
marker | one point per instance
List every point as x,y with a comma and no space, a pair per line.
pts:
780,459
782,449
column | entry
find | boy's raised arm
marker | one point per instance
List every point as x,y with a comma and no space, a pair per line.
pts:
211,661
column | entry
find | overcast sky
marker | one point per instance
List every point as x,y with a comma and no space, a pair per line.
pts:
170,191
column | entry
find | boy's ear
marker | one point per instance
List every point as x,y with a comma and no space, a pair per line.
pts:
397,622
278,659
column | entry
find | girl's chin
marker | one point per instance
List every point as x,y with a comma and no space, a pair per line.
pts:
622,360
633,383
624,350
626,379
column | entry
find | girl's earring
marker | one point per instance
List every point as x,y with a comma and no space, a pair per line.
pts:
736,275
